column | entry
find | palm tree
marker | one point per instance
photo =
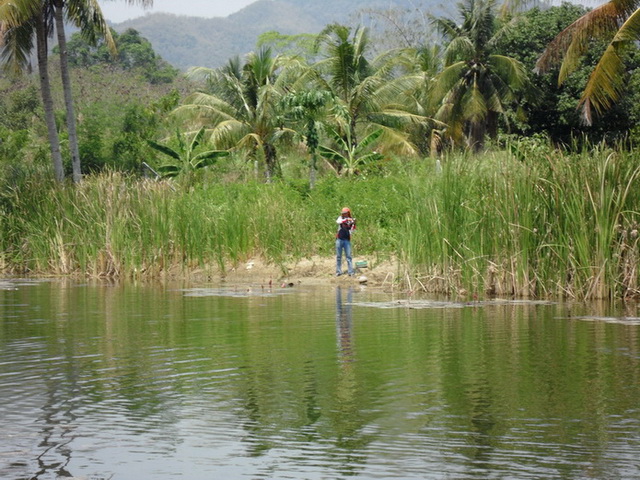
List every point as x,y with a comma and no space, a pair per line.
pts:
421,66
242,110
26,16
476,85
78,11
617,21
368,95
348,73
87,15
18,23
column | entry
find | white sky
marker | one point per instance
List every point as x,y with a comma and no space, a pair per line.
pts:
118,10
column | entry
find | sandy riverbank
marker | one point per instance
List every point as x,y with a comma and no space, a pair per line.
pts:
308,271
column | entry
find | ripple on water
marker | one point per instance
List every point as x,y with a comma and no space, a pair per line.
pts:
187,386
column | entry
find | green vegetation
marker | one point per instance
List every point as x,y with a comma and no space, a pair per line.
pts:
187,158
617,23
426,144
555,225
240,105
476,85
133,52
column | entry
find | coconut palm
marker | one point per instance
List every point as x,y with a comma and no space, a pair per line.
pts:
368,95
348,73
616,21
79,12
242,106
476,85
359,86
19,21
417,117
84,14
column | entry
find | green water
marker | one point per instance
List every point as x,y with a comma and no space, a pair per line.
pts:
160,382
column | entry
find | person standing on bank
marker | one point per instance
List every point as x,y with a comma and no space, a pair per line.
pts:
346,225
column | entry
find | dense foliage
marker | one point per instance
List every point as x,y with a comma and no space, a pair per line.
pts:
334,124
134,52
554,111
493,226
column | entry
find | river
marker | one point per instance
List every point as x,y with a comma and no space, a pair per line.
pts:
128,381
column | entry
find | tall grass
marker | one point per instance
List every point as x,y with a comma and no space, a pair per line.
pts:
561,225
543,225
113,225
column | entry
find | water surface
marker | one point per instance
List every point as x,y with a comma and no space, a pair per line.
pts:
161,382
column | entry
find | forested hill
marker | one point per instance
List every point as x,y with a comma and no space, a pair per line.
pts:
186,41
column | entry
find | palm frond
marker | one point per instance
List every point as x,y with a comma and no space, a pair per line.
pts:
205,109
446,27
14,13
399,117
511,71
447,80
397,141
202,74
228,133
474,104
607,81
17,45
569,45
87,15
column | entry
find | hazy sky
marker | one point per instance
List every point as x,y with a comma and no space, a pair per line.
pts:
118,10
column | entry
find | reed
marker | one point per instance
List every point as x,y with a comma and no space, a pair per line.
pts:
552,224
562,225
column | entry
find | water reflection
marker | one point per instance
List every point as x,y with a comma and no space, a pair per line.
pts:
350,417
344,322
57,430
98,381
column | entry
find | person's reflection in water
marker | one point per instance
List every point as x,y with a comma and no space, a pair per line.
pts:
343,325
347,417
483,433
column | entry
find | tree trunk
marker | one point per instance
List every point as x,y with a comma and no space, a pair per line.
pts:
492,124
476,136
312,145
352,130
68,96
271,159
47,100
312,171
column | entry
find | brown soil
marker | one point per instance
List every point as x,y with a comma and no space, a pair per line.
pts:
310,271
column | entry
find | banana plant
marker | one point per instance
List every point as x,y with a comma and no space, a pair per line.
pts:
349,157
185,160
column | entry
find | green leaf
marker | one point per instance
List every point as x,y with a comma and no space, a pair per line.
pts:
366,141
331,154
205,159
196,139
166,150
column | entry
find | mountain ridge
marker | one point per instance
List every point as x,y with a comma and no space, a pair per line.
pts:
186,41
